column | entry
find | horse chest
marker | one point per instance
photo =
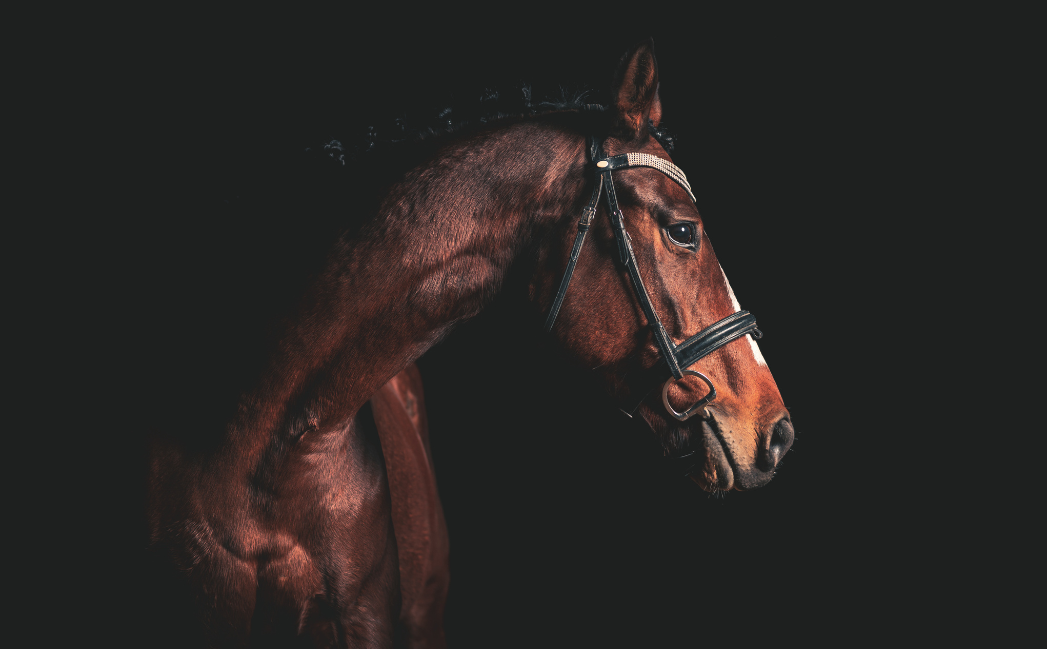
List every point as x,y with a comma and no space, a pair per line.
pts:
308,561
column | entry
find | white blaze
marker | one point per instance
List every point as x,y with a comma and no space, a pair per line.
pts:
737,307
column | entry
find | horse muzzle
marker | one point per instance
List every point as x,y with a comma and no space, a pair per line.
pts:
716,460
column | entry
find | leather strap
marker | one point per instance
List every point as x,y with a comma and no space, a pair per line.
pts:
583,227
627,160
628,258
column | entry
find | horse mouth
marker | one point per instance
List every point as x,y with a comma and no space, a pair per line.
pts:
715,473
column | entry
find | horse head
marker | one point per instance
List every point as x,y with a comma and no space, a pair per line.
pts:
650,308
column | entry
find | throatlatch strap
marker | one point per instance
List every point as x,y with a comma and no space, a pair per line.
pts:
576,251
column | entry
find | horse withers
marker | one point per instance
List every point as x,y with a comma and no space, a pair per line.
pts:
283,525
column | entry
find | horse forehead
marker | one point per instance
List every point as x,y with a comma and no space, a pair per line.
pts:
652,189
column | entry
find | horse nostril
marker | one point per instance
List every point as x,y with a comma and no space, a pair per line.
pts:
781,439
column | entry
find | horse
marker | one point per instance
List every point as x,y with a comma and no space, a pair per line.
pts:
284,526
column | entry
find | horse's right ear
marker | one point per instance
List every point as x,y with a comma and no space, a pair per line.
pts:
635,93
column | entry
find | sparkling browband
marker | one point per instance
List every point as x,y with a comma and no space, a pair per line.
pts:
662,165
627,160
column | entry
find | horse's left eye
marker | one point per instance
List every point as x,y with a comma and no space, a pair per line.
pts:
681,233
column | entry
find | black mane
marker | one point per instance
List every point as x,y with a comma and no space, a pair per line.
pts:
375,139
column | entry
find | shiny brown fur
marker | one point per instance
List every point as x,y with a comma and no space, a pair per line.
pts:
404,494
283,526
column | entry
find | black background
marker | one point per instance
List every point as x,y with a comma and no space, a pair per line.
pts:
819,145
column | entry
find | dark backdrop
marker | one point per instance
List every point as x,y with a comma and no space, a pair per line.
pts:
813,142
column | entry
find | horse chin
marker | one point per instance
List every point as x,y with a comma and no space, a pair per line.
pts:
715,473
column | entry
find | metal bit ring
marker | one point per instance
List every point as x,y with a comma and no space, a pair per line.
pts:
699,407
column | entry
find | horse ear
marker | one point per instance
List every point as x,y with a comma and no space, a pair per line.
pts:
636,92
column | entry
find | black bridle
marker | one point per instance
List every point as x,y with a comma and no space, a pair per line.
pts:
675,359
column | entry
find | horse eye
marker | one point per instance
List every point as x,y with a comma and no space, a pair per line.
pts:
681,233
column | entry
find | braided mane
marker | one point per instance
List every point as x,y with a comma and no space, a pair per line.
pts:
375,140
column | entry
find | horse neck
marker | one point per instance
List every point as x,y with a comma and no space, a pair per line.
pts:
438,251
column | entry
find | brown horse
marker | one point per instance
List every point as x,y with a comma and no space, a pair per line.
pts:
284,528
